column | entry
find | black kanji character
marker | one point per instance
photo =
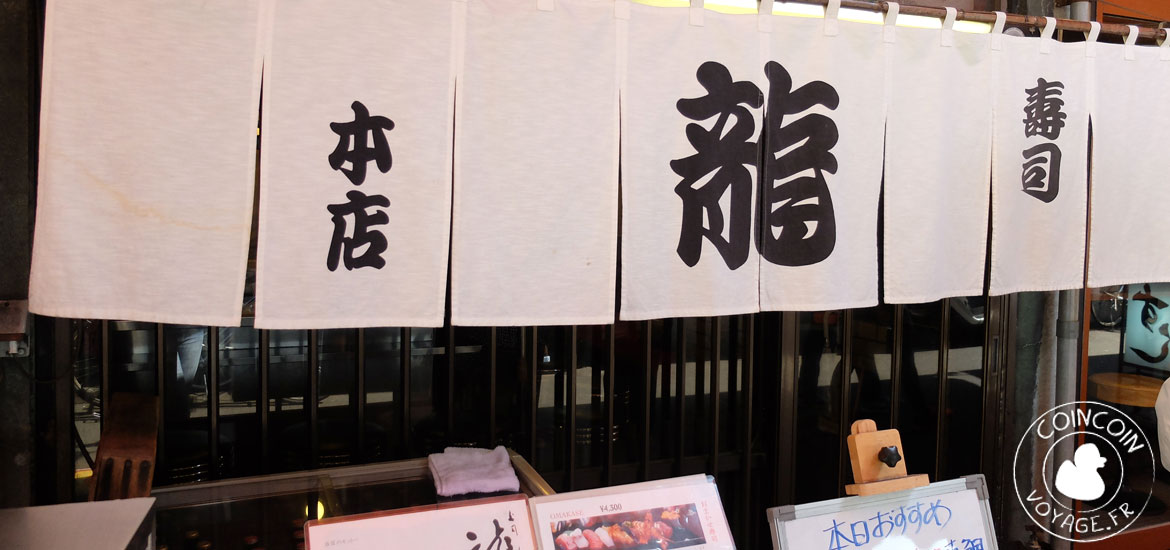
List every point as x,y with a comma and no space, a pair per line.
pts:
1041,177
358,131
497,543
362,236
723,157
1042,114
799,226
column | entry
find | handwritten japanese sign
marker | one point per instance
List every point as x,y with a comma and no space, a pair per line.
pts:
943,516
499,524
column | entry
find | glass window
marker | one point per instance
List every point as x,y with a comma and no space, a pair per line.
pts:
1129,363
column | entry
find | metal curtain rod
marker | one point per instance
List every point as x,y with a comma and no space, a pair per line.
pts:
989,17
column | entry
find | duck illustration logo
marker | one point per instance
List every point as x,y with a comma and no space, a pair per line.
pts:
1078,478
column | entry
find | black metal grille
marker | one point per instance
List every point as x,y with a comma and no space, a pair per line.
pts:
759,401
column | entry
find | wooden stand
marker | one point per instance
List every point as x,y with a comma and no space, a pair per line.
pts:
878,465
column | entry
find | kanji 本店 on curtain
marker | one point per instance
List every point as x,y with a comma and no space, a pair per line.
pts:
355,185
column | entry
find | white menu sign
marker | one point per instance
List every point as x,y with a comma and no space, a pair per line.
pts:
951,515
682,512
485,524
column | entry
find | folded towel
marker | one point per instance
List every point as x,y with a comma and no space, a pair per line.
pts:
458,471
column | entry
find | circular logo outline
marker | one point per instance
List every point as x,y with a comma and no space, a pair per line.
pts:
1016,460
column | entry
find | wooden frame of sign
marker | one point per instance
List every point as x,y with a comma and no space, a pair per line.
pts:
950,515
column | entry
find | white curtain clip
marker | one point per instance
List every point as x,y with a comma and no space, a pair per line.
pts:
947,38
1046,34
832,23
1131,43
890,31
697,13
766,15
997,30
544,5
621,9
1091,39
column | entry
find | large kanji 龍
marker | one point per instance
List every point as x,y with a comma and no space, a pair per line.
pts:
796,224
722,157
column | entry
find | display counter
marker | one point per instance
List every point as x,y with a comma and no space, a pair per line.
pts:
270,511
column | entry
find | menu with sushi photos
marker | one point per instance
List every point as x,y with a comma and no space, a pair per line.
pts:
485,524
681,512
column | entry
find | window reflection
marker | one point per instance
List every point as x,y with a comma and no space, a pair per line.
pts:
239,393
918,385
1129,362
87,396
873,345
964,412
818,421
185,391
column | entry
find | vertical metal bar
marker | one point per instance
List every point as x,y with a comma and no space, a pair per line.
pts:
314,390
213,398
700,379
647,399
846,375
404,403
492,350
160,376
360,395
262,400
734,375
53,403
734,407
789,354
571,464
105,374
944,352
991,382
749,389
535,388
896,361
680,384
450,382
609,405
716,372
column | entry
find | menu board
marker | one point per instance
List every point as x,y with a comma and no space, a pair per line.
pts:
950,515
494,523
658,515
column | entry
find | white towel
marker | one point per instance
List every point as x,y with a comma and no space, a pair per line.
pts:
147,160
458,471
938,166
535,231
385,70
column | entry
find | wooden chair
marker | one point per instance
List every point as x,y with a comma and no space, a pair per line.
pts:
125,458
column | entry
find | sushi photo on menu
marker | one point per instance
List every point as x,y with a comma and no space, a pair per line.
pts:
660,515
659,528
